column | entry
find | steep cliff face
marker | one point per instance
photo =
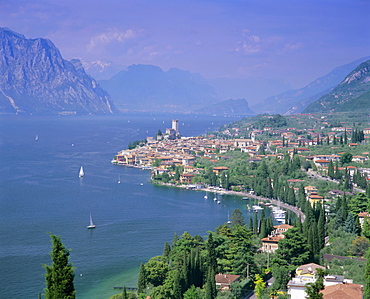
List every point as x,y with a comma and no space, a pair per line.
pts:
352,94
294,101
34,78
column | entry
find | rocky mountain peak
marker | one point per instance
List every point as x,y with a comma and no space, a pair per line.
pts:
34,78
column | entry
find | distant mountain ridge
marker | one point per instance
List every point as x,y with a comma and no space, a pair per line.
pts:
352,94
35,79
101,69
229,107
149,88
294,101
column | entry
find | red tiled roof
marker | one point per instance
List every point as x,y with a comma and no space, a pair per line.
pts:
343,291
226,279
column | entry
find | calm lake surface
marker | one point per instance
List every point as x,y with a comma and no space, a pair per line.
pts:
40,192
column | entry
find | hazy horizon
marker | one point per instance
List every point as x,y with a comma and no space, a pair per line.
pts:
283,41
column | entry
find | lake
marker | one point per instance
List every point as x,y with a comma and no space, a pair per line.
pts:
41,193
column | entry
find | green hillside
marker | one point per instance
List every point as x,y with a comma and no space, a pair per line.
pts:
350,95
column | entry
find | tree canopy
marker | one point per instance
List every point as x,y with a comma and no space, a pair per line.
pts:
59,276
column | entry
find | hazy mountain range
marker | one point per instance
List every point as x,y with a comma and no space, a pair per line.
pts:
352,94
295,101
149,88
228,107
35,79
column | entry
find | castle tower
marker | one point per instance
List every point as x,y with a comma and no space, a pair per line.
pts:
175,125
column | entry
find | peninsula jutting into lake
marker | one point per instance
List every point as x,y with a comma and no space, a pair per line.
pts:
319,174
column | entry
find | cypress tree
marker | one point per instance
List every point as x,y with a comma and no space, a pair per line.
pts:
269,226
366,294
291,196
366,228
315,239
344,207
166,250
177,174
211,258
367,193
299,225
331,169
59,276
176,287
211,291
124,293
354,136
276,189
255,224
321,229
337,172
358,226
251,224
301,196
262,219
141,281
263,231
338,205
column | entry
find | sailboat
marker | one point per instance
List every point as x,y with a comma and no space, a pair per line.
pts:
81,174
92,225
206,196
119,179
37,137
228,217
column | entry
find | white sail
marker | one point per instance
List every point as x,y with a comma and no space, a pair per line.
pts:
92,225
81,174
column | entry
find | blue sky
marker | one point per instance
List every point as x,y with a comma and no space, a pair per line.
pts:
293,41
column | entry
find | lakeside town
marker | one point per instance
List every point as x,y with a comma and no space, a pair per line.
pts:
162,152
323,177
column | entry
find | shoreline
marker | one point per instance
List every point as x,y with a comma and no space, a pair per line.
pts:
274,202
219,190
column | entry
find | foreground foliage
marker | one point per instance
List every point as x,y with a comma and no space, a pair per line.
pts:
59,276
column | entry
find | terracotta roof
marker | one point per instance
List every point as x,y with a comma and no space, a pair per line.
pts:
309,268
363,214
226,278
272,239
283,226
321,161
343,291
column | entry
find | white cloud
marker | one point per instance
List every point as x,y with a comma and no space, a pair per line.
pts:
112,35
251,45
292,47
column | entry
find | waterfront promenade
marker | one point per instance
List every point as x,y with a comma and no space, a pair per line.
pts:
274,202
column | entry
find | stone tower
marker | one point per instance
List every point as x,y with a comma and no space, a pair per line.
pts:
175,125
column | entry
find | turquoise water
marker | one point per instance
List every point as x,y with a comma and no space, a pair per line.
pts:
40,192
